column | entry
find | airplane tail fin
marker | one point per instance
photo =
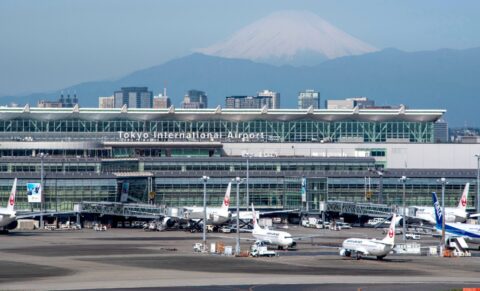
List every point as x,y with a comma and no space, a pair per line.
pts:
226,199
462,204
438,210
390,237
11,199
254,219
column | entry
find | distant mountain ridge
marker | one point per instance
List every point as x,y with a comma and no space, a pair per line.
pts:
442,79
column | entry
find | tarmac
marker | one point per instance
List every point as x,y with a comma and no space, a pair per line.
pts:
127,259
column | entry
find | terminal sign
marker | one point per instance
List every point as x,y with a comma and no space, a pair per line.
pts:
189,136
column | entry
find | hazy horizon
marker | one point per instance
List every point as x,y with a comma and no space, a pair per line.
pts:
47,45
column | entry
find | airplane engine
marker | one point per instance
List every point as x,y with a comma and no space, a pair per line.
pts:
345,253
11,225
215,218
168,222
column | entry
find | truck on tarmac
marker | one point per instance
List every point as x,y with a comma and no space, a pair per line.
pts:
259,249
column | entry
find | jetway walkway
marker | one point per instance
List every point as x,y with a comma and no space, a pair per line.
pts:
149,211
360,209
138,210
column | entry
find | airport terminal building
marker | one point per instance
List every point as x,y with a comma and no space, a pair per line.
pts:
159,155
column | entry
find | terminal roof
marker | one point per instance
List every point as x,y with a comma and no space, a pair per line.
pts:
375,115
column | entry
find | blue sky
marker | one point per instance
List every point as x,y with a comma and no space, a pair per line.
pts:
46,45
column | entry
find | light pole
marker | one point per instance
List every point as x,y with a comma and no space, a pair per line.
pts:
237,246
478,185
248,197
443,181
403,179
205,180
42,197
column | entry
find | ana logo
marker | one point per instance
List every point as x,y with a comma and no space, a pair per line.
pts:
226,201
11,200
464,201
438,209
390,233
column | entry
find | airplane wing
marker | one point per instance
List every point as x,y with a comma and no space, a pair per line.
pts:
474,215
234,238
305,237
277,211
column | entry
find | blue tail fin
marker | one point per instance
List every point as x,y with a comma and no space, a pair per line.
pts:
438,209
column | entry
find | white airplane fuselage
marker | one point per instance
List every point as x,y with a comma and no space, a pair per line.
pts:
274,237
453,214
368,247
6,217
215,215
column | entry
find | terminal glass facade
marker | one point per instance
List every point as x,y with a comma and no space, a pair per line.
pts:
296,131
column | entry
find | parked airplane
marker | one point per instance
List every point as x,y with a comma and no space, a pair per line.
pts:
452,214
8,216
215,215
470,232
370,247
282,239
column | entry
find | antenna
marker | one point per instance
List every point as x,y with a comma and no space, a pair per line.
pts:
165,88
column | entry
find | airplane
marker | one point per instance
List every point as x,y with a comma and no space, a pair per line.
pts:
215,215
452,214
370,247
470,232
8,216
282,239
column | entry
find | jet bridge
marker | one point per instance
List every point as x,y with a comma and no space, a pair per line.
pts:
138,210
360,209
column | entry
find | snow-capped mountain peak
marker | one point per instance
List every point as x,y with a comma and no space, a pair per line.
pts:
286,36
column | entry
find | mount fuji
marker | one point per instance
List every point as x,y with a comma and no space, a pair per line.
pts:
289,37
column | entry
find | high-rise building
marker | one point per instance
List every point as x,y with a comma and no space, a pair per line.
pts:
350,103
133,97
309,98
106,102
62,102
195,99
440,131
274,98
242,102
161,100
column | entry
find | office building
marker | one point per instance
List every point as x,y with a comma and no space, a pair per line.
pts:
350,103
270,98
195,99
106,102
440,129
133,97
63,102
309,98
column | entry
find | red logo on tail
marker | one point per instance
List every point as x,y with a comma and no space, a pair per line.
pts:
11,200
390,233
463,201
226,201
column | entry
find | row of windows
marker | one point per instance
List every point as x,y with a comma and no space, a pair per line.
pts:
62,194
281,131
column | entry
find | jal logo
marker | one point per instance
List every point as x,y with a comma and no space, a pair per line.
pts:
11,200
464,201
226,201
390,233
